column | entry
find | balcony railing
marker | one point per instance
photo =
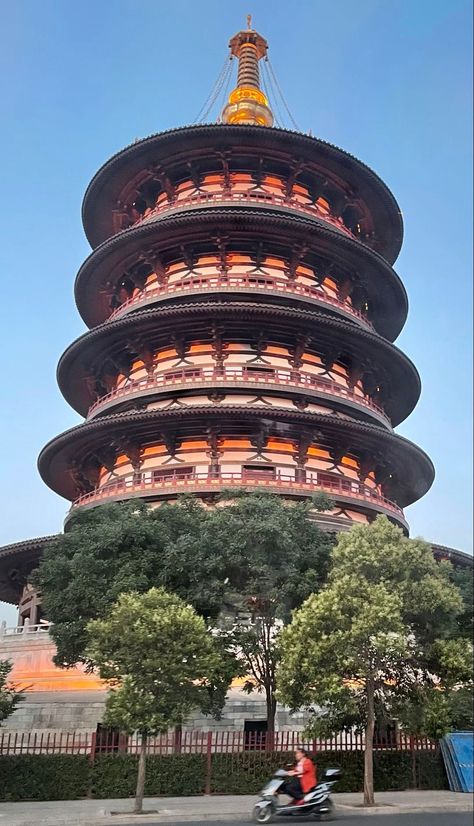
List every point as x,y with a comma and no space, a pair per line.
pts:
191,376
147,483
243,283
25,630
252,197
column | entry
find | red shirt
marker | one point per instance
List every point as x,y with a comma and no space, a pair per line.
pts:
306,771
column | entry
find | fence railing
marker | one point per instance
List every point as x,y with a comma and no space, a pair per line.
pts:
108,741
25,630
153,480
249,196
273,377
238,283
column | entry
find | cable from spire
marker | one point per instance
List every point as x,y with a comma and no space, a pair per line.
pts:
224,81
273,75
273,97
225,92
205,108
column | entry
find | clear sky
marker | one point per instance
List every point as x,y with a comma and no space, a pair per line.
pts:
387,80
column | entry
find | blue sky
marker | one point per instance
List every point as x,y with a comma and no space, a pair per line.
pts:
387,80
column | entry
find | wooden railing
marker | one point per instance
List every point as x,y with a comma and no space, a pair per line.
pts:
240,283
252,197
192,375
146,483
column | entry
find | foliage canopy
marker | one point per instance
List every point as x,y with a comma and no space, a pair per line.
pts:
9,697
161,662
382,626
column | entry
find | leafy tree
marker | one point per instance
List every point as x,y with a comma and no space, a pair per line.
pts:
253,555
275,556
122,547
463,580
161,662
432,711
9,698
377,631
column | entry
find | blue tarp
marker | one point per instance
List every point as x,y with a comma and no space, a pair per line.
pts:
457,750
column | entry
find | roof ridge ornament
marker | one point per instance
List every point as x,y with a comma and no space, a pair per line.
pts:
247,103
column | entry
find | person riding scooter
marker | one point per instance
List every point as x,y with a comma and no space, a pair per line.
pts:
303,777
316,802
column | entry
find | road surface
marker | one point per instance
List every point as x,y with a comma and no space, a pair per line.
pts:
408,819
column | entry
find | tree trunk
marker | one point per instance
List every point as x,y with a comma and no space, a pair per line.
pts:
369,746
138,809
271,713
178,738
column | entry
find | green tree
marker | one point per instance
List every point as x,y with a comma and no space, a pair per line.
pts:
161,662
274,557
432,711
122,547
435,708
252,556
9,697
377,631
464,580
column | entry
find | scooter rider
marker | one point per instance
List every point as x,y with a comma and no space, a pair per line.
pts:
303,777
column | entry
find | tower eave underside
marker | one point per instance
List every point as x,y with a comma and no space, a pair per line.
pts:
412,466
17,561
194,141
284,323
247,224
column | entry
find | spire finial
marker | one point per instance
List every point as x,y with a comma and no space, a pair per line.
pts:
247,103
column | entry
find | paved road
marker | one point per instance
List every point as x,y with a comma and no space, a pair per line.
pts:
428,819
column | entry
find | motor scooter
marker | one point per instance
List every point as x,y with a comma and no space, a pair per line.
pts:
316,803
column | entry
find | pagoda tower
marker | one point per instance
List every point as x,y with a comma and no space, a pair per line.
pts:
241,308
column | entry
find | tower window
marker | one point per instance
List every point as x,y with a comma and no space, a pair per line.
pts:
259,471
253,369
168,474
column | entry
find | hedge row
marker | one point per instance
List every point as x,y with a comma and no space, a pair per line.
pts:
44,777
70,777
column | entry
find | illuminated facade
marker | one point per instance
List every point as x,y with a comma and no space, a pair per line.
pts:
241,307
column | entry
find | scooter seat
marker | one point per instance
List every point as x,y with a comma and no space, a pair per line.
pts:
310,793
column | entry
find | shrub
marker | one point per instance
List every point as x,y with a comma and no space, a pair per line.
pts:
430,771
44,777
72,776
115,775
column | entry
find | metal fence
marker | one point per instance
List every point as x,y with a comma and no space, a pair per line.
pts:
110,741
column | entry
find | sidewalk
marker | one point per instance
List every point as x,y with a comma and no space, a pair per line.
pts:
225,807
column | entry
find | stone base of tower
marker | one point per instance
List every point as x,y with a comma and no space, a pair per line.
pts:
54,699
81,712
70,700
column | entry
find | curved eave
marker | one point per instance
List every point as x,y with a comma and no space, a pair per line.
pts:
409,462
188,141
16,562
402,371
460,559
199,223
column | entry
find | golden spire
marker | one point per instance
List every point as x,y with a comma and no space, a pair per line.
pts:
247,104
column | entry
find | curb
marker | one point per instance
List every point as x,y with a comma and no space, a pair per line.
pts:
169,817
392,809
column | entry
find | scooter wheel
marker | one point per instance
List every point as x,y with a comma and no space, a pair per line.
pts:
262,814
324,817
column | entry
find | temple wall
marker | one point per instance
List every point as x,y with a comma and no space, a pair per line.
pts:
69,700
